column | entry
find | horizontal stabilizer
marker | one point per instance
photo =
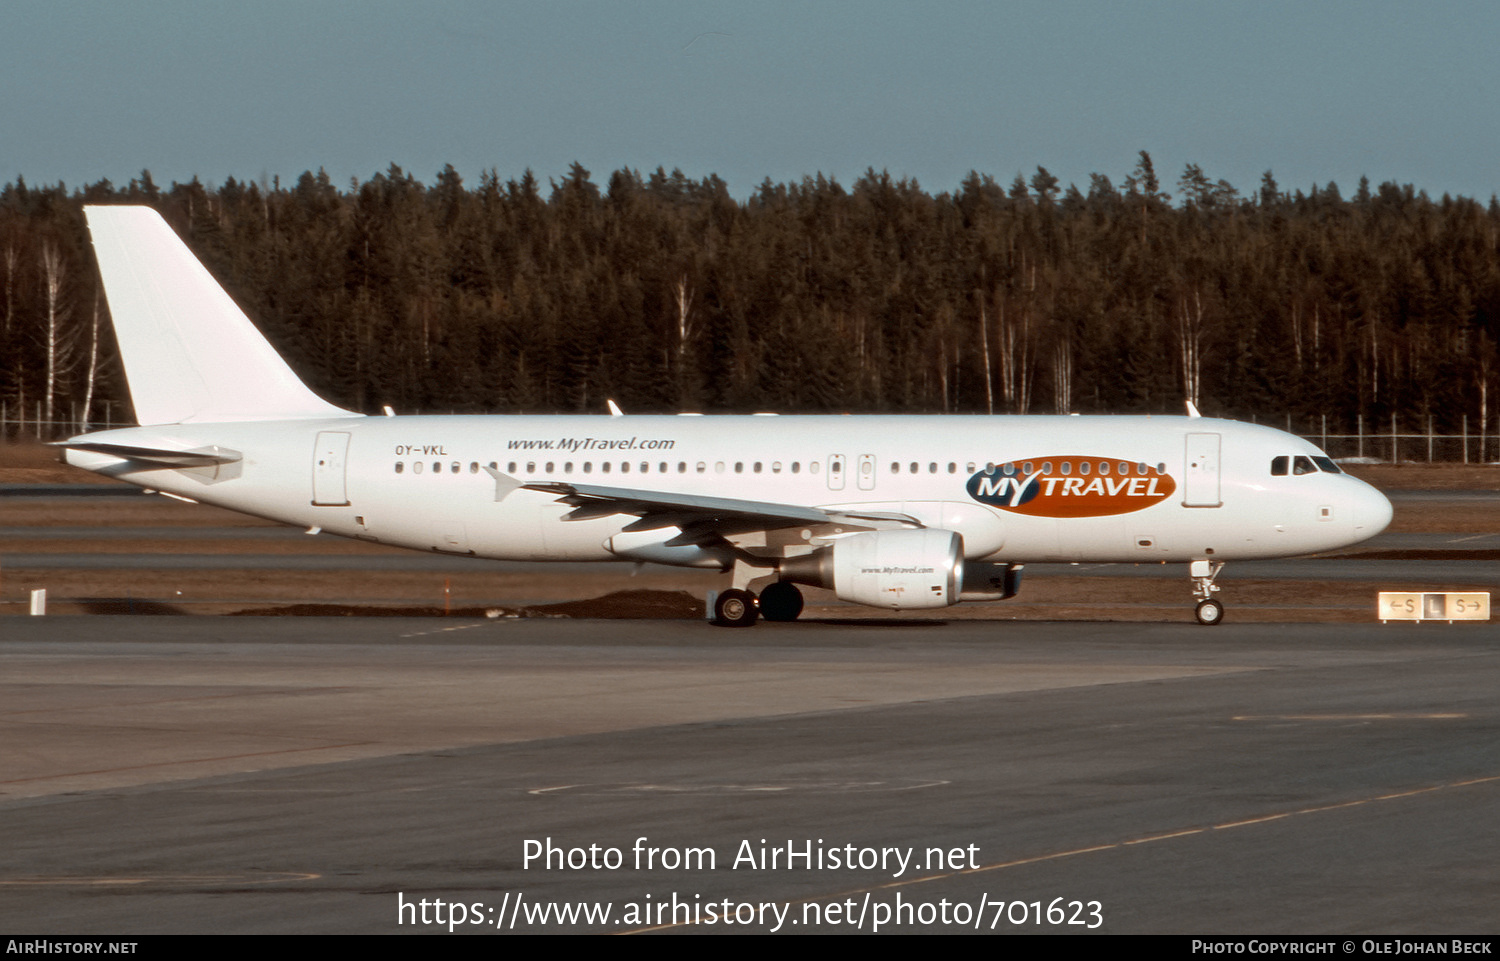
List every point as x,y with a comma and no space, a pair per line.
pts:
159,456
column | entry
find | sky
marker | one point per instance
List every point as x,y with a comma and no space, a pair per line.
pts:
785,89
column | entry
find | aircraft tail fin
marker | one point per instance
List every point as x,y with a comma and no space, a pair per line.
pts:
190,354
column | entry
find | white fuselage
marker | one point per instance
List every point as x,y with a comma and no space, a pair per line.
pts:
1104,489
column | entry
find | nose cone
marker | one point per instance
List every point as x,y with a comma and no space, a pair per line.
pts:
1371,510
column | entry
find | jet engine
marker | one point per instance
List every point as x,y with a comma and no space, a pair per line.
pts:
901,570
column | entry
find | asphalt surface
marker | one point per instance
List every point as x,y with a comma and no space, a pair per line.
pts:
299,775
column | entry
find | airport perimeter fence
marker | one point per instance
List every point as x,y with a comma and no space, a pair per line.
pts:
26,422
1395,442
1399,443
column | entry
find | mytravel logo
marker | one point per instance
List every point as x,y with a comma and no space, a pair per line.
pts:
1071,486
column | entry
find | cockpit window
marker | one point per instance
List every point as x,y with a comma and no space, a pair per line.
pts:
1303,464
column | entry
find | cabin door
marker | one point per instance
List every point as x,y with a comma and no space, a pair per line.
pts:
1201,488
330,456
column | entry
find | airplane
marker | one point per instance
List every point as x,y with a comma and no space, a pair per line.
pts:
894,512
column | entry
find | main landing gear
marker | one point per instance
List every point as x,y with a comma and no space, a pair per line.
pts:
780,601
1209,610
735,608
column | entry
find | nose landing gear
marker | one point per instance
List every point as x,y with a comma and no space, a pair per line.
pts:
1209,609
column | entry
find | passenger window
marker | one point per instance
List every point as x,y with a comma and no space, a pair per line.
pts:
568,467
625,467
1141,469
1104,467
1026,468
400,466
756,467
739,467
530,467
473,466
932,468
510,468
458,468
718,467
775,466
588,467
1083,467
895,468
1046,467
913,468
416,467
1009,470
1067,468
1279,466
971,467
952,467
604,467
796,467
814,466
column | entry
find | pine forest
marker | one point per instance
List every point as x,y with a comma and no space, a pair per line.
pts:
666,294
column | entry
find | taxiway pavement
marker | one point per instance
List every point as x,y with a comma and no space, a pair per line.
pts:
312,775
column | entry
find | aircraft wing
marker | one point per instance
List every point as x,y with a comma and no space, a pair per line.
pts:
701,518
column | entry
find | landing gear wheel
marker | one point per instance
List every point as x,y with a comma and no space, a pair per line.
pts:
780,601
735,608
1210,612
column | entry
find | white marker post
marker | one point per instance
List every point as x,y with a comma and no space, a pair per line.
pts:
39,602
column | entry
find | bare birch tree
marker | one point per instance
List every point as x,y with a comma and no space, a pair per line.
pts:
1190,332
58,342
1062,375
984,352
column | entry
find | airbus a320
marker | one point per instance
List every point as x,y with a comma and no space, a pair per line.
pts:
896,512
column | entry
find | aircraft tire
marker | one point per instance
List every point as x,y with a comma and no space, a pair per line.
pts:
1210,612
780,601
735,608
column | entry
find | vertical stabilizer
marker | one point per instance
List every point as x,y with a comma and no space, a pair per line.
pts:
190,354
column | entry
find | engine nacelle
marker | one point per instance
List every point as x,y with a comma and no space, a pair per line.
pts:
901,570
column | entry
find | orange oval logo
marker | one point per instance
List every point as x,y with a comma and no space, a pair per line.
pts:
1071,486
